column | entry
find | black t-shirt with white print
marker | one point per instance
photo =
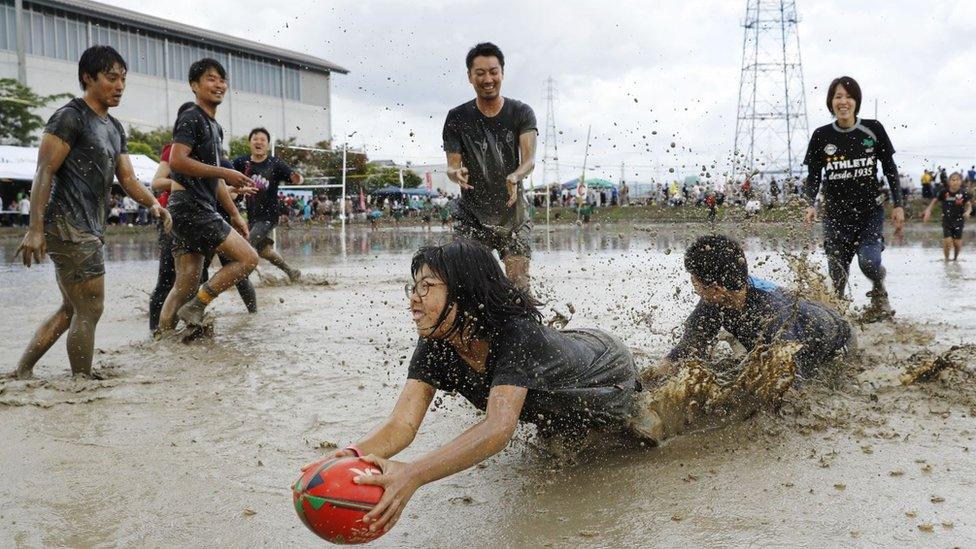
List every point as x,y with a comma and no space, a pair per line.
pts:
953,204
846,161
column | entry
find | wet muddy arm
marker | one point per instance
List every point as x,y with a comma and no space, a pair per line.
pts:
399,430
50,156
890,170
161,181
225,200
456,171
527,154
131,185
700,330
485,439
180,161
928,209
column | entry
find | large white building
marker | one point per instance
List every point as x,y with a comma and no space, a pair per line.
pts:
288,93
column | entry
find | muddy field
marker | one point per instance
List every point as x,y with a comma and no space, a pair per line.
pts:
196,445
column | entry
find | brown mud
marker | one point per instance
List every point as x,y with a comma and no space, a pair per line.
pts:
195,445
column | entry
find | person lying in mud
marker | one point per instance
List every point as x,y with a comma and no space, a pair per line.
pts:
754,311
482,337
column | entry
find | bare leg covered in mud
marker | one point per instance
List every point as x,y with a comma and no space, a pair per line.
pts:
268,253
694,399
80,310
188,267
517,270
243,260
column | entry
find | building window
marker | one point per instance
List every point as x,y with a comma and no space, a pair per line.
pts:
65,37
9,26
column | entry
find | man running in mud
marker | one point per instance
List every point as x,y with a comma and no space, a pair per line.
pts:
754,311
199,184
262,208
490,145
82,150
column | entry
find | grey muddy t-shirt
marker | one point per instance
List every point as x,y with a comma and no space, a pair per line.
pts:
82,185
577,379
489,148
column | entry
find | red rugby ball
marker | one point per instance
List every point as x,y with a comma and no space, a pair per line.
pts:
332,505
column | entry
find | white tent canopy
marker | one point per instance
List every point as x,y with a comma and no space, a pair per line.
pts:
20,163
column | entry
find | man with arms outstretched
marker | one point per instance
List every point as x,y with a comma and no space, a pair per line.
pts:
490,145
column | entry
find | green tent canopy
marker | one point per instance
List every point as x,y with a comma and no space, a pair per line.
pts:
592,183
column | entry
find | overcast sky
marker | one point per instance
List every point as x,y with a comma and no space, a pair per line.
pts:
628,68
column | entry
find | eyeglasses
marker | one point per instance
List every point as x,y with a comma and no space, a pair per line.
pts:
421,288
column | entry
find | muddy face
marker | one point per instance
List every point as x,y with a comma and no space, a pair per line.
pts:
428,300
107,87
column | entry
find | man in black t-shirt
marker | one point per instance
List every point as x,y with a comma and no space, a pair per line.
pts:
200,183
957,204
82,150
490,146
842,158
262,207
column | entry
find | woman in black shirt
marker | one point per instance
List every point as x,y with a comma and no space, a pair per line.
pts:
482,337
842,158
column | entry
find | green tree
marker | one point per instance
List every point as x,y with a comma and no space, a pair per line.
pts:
383,176
154,140
322,163
138,147
18,124
239,147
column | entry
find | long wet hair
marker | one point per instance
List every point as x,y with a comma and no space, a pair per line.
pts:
484,297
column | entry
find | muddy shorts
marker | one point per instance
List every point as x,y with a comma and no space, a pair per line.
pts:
77,256
259,234
507,240
952,228
197,228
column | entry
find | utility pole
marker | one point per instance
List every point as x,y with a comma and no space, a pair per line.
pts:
21,42
550,156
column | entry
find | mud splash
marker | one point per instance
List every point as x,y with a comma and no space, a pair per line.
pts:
213,429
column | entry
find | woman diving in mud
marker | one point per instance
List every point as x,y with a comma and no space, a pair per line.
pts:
482,337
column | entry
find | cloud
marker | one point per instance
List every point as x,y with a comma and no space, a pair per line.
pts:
680,61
